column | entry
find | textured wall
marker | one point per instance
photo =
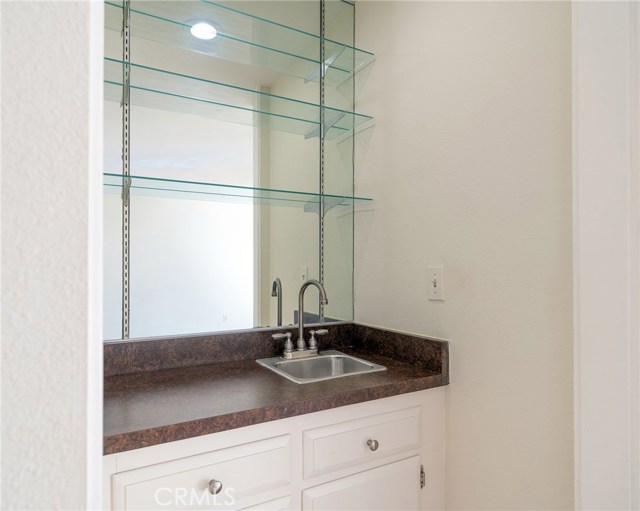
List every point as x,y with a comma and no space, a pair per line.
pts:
47,305
470,166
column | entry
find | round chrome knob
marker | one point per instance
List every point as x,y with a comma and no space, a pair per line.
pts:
215,487
373,444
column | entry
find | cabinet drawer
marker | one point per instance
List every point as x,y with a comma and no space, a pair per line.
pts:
345,444
246,472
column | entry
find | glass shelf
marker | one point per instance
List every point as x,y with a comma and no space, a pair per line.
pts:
195,190
242,38
166,90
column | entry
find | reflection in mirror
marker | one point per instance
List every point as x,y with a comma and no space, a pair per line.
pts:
225,153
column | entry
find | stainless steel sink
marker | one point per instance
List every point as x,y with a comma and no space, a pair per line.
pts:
325,366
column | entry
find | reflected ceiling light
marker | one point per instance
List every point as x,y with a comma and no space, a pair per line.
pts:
204,31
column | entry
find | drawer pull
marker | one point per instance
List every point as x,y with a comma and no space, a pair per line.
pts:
373,444
215,487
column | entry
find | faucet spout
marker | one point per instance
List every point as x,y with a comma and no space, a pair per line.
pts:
323,300
276,290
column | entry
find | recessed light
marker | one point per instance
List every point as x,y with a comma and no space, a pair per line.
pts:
204,31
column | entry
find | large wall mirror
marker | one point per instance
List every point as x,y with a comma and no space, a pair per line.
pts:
228,163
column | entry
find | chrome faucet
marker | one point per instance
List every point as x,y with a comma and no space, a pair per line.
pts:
301,345
276,290
302,351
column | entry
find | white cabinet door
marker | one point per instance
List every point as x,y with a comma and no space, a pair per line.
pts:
392,487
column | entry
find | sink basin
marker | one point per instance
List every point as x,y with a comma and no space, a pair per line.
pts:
325,366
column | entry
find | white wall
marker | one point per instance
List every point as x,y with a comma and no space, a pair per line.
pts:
51,234
470,166
606,257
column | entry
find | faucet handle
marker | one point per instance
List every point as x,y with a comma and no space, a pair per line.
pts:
312,342
288,345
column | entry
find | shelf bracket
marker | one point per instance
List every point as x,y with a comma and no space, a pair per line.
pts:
314,132
329,121
328,203
355,71
315,74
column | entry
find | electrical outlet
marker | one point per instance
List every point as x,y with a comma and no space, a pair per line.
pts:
304,273
435,283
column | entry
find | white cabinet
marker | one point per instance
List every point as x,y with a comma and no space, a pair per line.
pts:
363,456
391,487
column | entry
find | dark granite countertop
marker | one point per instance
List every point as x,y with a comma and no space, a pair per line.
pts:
151,407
